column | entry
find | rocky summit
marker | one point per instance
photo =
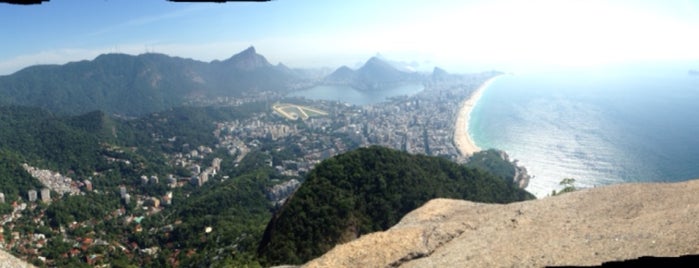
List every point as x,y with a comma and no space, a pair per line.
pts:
586,227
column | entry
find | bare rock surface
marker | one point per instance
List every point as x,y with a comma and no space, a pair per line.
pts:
9,261
587,227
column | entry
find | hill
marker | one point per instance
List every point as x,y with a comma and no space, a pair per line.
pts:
41,137
138,85
582,228
368,190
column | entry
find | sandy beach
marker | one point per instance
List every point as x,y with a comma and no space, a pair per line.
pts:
462,140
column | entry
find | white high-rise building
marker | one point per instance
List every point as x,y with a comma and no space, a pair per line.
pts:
32,195
46,195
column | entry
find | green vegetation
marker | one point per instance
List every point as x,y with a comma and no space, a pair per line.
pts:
568,186
47,140
79,144
81,208
492,162
237,209
368,190
14,180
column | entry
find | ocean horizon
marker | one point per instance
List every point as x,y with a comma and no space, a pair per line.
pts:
600,126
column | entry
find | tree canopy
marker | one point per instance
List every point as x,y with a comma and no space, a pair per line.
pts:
367,190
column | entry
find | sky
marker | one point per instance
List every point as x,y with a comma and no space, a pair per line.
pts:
458,35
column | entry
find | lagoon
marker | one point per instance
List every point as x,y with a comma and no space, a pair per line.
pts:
351,95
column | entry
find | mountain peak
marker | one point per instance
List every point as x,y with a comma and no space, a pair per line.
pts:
248,60
439,73
249,50
376,60
438,70
377,64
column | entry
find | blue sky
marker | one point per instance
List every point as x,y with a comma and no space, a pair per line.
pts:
456,35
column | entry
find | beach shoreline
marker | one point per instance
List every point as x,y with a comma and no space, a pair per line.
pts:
462,140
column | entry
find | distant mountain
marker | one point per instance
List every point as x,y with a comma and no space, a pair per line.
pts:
247,60
693,72
136,85
403,66
367,190
376,70
342,75
439,74
375,74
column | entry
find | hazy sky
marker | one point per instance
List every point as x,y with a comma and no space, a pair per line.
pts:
456,35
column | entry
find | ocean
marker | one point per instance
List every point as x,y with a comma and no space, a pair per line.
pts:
600,126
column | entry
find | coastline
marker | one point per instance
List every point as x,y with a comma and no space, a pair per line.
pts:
462,140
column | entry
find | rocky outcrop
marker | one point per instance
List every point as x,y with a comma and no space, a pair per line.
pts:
587,227
279,192
9,261
521,177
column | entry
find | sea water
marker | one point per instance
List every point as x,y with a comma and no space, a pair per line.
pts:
600,126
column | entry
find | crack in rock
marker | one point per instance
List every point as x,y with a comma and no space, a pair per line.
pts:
438,238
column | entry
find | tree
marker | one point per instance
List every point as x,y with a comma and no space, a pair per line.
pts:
568,186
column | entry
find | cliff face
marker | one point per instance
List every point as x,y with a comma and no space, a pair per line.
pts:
587,227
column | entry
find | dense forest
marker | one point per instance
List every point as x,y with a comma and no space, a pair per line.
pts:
14,180
493,162
367,190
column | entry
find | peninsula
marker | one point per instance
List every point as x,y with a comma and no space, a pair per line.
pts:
462,140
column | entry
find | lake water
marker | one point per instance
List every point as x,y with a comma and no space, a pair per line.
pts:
603,126
350,95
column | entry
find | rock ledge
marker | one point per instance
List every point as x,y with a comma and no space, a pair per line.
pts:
587,227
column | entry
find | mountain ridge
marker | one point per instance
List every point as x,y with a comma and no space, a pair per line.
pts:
136,85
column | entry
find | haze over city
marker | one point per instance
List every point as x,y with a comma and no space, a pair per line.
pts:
455,35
